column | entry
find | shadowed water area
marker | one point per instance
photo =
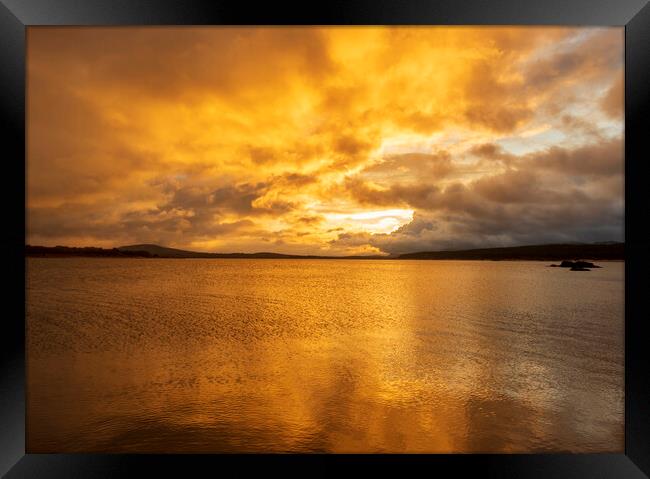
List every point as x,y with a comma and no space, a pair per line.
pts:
244,355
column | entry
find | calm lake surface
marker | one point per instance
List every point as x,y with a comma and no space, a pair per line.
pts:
244,355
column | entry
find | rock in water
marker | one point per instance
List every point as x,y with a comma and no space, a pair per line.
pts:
576,265
584,264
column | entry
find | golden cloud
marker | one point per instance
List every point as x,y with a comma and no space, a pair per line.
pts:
334,140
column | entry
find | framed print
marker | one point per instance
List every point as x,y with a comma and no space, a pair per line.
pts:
370,235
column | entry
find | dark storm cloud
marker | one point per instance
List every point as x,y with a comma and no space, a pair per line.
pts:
600,159
595,55
419,195
555,194
524,187
505,226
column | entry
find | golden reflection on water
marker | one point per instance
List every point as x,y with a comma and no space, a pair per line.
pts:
323,356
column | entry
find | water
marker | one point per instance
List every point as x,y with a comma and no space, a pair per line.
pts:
241,355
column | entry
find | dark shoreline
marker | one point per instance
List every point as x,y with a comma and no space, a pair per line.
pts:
390,258
556,252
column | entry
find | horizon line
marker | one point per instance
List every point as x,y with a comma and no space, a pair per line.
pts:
312,255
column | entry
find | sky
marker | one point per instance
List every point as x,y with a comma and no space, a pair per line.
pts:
333,141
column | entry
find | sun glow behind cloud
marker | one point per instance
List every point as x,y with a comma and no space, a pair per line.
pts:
324,140
384,221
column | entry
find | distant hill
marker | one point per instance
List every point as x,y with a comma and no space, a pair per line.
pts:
89,251
164,252
547,252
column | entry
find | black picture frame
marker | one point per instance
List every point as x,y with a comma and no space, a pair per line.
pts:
16,15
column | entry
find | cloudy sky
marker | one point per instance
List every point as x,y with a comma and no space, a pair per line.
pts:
324,140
